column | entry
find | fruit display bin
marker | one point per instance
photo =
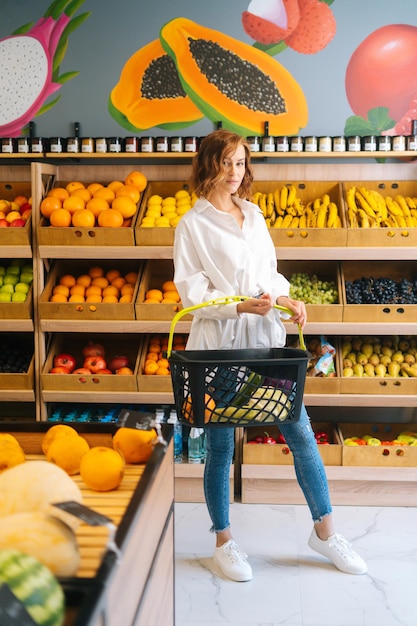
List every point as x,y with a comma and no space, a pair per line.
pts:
88,310
308,191
111,587
156,236
325,271
317,384
24,381
46,177
18,310
16,236
127,345
395,270
381,236
280,454
155,273
151,382
379,455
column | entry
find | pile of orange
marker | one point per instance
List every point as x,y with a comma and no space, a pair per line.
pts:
166,294
156,364
63,446
89,205
96,285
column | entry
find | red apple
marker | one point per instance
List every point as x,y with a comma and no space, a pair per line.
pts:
105,371
95,364
124,371
4,223
117,362
25,206
81,371
93,349
17,223
65,360
26,214
60,369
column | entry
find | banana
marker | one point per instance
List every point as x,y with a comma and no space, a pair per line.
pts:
321,216
370,199
262,204
411,203
256,196
299,208
392,206
284,198
292,192
295,222
332,216
303,221
277,201
287,221
325,199
270,205
364,204
403,205
278,222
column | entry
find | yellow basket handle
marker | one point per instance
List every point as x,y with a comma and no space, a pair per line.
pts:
224,300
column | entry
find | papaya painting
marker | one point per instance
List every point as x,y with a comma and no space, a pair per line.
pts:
30,62
192,72
381,82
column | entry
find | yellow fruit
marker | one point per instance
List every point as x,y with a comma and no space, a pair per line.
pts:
67,452
135,445
11,454
59,430
102,468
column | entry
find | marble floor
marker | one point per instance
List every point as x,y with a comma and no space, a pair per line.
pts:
292,585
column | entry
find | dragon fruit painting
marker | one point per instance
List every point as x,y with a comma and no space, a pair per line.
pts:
29,65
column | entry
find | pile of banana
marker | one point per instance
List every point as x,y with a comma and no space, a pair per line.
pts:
367,208
284,209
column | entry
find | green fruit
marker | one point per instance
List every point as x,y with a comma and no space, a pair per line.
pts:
10,279
358,369
1,280
7,289
22,287
13,269
5,297
26,268
34,585
2,270
26,277
18,296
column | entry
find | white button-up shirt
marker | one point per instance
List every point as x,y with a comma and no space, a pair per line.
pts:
214,258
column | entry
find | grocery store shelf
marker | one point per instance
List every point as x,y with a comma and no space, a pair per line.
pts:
17,395
16,252
16,325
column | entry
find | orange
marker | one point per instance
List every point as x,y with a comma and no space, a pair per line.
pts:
168,285
118,282
97,205
100,281
112,274
61,289
110,290
9,437
162,371
82,193
52,433
125,205
110,299
95,271
49,204
154,347
93,290
77,290
20,200
131,277
151,301
73,185
58,297
152,356
11,454
67,452
68,280
110,218
83,218
102,468
137,179
93,187
147,362
60,217
150,369
135,445
163,363
105,193
127,297
58,192
84,279
127,289
115,185
187,408
130,192
155,294
77,298
74,203
94,298
172,296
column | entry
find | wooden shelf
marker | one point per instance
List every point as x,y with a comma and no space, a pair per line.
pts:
23,326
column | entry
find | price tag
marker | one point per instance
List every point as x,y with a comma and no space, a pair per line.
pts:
12,611
140,421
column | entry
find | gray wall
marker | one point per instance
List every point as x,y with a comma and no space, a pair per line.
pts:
116,29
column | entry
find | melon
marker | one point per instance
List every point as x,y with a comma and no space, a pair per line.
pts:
44,537
34,585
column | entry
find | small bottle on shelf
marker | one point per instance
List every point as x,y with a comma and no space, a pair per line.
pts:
196,446
173,419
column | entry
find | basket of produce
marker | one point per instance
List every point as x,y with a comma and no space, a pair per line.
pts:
235,388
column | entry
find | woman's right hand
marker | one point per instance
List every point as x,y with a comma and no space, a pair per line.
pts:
257,306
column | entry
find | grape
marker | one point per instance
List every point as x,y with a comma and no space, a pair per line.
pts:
312,290
381,291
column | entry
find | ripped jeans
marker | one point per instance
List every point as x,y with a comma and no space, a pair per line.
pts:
308,465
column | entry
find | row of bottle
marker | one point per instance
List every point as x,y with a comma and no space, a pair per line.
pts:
193,441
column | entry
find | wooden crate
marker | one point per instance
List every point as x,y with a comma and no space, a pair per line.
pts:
151,382
128,345
320,384
24,381
155,272
156,236
324,270
18,310
16,236
391,237
352,270
377,456
88,310
280,454
307,237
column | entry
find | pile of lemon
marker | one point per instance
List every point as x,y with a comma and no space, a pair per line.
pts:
167,212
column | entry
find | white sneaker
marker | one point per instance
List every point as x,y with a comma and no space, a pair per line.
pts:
339,552
232,562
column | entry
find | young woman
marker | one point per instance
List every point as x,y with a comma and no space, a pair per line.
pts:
223,248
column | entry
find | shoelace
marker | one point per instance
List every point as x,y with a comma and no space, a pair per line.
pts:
343,547
234,553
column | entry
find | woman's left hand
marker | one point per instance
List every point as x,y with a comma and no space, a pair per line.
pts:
297,307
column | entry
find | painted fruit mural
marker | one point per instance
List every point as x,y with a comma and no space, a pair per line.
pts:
381,82
193,72
29,65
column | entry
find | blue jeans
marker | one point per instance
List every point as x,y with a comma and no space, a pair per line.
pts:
308,465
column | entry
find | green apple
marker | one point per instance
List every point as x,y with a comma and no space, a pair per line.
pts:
18,296
10,279
7,289
5,297
21,288
26,277
26,268
13,269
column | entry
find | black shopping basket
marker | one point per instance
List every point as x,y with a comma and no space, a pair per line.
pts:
234,388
